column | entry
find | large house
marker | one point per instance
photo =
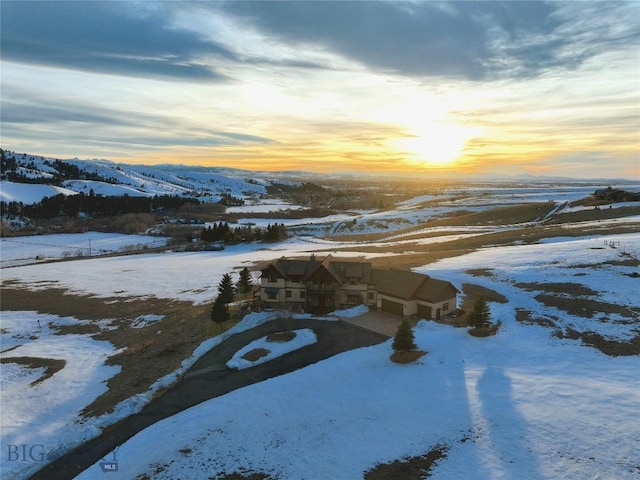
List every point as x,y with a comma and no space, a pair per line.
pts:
325,284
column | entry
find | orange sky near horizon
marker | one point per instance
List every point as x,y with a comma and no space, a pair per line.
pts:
291,86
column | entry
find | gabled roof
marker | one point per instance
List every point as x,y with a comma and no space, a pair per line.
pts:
434,291
302,269
409,285
294,268
397,283
347,270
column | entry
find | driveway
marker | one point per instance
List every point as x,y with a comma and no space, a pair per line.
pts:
379,322
208,378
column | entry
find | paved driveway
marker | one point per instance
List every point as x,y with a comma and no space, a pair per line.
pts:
380,322
208,378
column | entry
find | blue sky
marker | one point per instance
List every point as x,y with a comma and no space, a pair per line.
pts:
548,88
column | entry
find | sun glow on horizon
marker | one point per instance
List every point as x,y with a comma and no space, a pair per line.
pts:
436,144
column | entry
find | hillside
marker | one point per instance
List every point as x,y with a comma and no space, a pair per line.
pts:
28,178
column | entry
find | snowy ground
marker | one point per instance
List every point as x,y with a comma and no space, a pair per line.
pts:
45,413
530,405
532,408
24,250
588,262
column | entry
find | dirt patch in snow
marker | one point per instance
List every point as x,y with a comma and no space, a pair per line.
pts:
50,365
407,357
245,476
566,288
608,346
473,292
586,307
255,354
281,337
412,468
148,353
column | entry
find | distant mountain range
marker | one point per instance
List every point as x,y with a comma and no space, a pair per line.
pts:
28,178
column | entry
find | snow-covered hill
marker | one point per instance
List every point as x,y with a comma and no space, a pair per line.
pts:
28,178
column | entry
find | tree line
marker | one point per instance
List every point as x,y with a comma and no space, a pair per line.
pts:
72,205
222,232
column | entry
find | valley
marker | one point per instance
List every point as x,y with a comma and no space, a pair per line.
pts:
128,314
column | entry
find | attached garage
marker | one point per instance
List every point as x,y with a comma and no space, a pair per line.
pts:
392,307
424,311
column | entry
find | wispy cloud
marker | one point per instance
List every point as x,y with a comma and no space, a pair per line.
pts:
469,40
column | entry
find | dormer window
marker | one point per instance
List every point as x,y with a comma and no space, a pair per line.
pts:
273,278
353,281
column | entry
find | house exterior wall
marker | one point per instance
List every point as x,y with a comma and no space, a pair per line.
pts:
354,294
408,306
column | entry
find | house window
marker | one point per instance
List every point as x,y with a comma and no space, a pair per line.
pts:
273,278
353,298
353,281
303,294
288,293
272,295
445,306
370,295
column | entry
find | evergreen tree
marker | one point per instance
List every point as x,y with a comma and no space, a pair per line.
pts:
404,340
244,283
219,312
226,289
480,316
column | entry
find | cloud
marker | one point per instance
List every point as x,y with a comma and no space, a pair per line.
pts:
456,40
106,37
29,115
469,40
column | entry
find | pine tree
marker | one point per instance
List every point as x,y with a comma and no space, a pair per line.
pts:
244,283
404,340
219,311
226,289
480,316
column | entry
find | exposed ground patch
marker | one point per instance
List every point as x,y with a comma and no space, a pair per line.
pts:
147,355
411,468
565,288
611,347
255,354
586,307
50,365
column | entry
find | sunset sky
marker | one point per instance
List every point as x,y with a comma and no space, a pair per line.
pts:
543,88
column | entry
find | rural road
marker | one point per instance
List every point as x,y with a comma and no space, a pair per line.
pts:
208,378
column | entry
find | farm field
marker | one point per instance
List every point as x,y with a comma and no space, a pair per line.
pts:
549,396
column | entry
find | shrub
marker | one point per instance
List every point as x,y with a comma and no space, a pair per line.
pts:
404,340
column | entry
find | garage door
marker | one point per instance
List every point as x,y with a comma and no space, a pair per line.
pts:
424,311
392,307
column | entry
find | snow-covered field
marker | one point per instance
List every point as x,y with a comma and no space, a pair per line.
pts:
45,413
21,250
29,193
530,405
533,406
